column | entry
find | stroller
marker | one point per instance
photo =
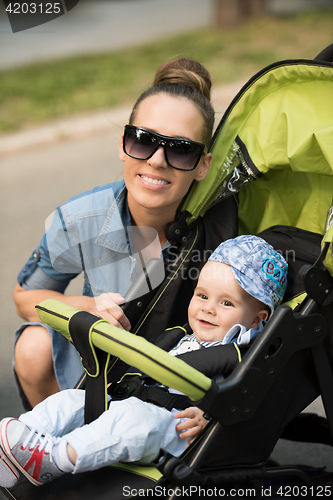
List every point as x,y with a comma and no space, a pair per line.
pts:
273,156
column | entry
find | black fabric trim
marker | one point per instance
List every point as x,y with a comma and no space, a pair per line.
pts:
325,55
171,337
79,327
216,360
247,157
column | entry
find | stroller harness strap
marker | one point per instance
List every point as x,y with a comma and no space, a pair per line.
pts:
146,389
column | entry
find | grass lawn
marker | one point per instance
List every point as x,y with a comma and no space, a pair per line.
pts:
40,92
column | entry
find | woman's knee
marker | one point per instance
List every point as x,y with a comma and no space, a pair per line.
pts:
33,352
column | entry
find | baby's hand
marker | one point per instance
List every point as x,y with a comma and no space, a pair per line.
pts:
194,425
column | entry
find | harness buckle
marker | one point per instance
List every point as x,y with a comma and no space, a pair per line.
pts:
125,388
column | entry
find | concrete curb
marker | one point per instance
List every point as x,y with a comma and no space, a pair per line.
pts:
88,124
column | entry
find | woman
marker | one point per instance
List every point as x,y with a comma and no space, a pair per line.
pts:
158,172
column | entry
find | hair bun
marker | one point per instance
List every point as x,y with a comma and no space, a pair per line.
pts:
187,79
187,72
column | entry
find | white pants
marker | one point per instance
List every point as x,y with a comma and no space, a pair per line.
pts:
129,431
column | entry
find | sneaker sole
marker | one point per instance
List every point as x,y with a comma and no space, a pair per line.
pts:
8,451
8,472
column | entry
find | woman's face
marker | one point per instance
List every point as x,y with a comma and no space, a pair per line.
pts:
152,184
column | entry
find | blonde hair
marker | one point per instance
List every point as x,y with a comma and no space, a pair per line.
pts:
188,79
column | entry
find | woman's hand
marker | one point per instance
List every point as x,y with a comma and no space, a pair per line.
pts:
194,425
106,306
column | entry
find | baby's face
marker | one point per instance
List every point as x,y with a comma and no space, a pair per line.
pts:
219,302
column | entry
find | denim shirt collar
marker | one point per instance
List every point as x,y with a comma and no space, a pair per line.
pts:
113,234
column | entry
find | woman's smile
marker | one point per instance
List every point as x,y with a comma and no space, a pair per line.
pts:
153,181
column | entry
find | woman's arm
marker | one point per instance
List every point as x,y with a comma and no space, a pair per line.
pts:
105,306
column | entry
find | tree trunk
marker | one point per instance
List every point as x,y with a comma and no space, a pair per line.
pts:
233,12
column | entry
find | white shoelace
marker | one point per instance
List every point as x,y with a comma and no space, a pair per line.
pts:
44,441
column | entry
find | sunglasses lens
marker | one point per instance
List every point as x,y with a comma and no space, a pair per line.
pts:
183,155
179,153
139,143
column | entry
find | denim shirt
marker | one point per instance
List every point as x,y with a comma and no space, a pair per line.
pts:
91,233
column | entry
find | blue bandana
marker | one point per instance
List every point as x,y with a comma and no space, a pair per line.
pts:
259,269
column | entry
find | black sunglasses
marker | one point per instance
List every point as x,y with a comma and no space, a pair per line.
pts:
181,154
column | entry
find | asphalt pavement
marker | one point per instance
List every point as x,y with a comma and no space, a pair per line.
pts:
98,26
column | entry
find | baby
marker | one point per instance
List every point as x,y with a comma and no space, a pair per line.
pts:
237,291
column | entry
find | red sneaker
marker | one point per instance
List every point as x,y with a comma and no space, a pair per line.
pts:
29,450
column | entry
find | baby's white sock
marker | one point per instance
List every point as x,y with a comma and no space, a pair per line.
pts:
59,453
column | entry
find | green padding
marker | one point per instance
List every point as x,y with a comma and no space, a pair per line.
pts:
295,301
141,470
60,316
135,351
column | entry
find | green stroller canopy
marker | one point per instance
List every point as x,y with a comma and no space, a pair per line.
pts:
275,139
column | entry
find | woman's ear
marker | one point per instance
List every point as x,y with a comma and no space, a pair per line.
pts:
122,154
204,167
262,315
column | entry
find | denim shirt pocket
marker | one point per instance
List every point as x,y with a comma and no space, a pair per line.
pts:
106,271
30,266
